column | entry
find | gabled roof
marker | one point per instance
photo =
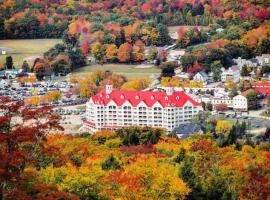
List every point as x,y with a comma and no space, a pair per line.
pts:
184,130
177,99
203,74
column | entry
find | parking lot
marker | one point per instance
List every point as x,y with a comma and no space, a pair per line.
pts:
252,122
18,91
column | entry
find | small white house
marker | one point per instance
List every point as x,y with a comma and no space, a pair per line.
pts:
264,59
201,76
240,103
3,83
233,73
241,62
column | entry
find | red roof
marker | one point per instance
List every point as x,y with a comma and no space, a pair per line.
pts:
177,99
109,126
108,82
262,87
89,122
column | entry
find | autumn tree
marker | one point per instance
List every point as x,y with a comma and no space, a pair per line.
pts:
125,53
33,100
52,96
111,52
222,107
153,53
22,131
118,80
136,84
61,64
98,52
252,98
138,51
223,127
41,68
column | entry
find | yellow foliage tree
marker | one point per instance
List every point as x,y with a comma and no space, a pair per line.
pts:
137,84
223,127
111,52
33,101
52,96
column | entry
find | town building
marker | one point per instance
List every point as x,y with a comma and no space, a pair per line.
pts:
222,100
112,109
261,87
201,76
241,62
233,73
240,103
185,130
264,59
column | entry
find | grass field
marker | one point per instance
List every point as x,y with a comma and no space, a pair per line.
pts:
22,49
130,71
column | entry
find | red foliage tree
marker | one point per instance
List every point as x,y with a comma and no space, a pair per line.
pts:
222,107
85,48
22,131
195,68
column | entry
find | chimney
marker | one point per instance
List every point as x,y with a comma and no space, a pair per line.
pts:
169,89
109,87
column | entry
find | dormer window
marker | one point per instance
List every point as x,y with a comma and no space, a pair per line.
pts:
166,98
101,95
177,98
152,97
122,96
137,97
107,96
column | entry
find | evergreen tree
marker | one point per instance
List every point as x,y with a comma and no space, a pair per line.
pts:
110,163
181,156
120,38
9,62
25,66
244,71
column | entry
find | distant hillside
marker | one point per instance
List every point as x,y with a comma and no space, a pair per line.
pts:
50,18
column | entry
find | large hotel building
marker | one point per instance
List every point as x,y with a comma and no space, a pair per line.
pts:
112,109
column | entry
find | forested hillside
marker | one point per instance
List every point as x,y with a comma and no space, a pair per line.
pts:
49,18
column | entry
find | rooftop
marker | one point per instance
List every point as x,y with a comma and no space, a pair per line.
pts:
177,99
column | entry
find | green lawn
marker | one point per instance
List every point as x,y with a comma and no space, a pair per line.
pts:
26,48
130,71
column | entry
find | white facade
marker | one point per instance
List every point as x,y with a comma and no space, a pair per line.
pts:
201,76
230,74
112,115
217,101
240,103
264,59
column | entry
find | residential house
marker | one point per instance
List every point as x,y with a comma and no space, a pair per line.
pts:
201,76
185,130
233,73
264,59
240,62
